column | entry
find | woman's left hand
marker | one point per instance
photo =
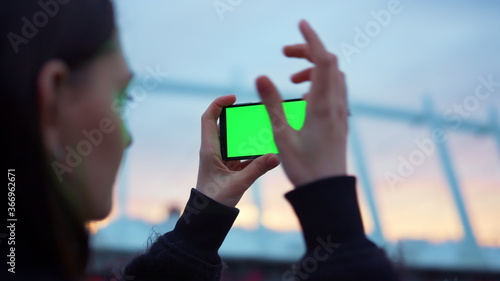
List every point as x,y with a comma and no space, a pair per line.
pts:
226,181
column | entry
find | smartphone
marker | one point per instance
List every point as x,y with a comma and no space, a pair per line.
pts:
246,131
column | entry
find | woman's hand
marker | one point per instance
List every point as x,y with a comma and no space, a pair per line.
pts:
226,181
318,150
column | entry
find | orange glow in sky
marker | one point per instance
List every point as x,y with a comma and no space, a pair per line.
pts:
416,210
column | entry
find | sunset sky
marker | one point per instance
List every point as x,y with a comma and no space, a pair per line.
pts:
427,50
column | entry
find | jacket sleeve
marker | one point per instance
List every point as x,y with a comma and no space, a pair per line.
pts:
189,251
336,245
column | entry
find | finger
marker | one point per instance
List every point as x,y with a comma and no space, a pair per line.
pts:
326,63
297,51
302,76
258,167
343,87
316,49
209,126
243,164
273,102
233,165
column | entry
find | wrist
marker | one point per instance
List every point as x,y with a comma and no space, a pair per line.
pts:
315,173
219,196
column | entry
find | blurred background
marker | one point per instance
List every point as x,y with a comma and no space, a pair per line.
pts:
424,90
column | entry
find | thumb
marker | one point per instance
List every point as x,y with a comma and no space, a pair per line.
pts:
259,167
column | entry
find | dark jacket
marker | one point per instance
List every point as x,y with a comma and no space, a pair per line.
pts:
336,246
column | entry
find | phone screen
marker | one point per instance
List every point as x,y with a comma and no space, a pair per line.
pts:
246,131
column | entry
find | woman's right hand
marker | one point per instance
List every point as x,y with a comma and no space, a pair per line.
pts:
318,150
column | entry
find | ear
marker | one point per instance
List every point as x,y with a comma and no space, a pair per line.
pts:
50,83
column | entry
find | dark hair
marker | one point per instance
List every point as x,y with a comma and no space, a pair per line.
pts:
50,235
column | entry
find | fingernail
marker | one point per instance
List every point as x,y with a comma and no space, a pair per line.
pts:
273,160
304,23
262,85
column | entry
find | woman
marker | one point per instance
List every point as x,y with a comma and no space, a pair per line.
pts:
63,89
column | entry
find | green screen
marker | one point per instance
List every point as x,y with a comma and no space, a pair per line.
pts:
249,131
